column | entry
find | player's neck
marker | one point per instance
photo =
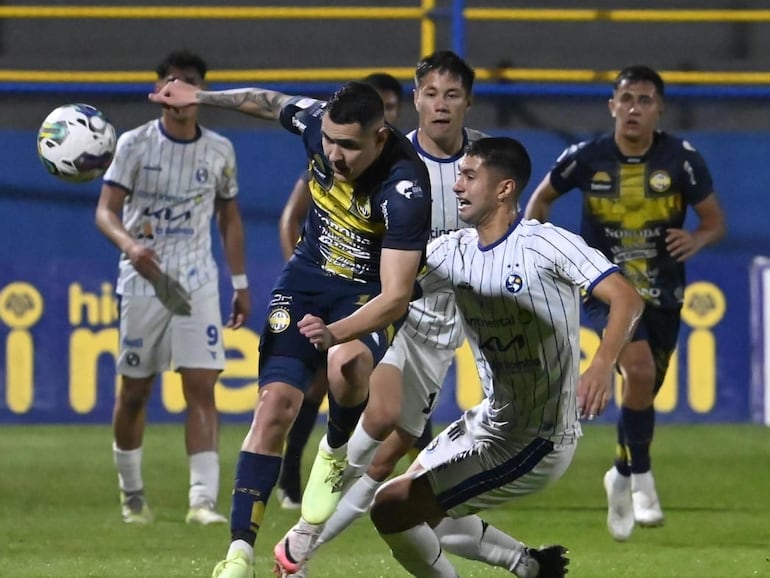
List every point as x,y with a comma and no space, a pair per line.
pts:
494,228
444,148
635,148
183,130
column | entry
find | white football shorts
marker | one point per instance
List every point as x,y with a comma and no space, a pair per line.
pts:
424,368
153,340
472,468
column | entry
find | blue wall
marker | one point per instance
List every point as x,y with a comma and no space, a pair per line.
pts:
57,328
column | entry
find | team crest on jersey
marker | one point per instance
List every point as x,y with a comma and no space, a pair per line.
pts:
279,320
363,205
202,175
514,283
432,445
409,189
660,181
601,181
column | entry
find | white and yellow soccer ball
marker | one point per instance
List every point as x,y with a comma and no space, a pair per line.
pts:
76,143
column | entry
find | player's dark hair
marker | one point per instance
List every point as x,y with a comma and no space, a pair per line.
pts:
384,82
356,102
181,59
445,61
639,73
506,155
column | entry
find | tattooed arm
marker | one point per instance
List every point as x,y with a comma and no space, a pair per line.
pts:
257,102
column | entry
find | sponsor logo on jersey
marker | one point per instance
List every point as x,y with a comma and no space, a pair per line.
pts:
137,342
409,189
279,320
660,181
132,359
514,283
601,181
157,168
202,175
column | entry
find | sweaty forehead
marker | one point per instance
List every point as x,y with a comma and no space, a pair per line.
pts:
351,131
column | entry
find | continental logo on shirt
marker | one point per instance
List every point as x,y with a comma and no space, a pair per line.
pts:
660,181
409,189
279,320
601,181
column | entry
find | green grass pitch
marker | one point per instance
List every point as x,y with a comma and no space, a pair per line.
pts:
59,514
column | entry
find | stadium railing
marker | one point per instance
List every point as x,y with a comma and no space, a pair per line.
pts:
457,16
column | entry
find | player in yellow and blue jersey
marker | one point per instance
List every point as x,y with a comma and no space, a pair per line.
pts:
354,269
637,183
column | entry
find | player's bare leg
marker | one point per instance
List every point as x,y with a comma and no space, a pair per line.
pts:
202,441
128,422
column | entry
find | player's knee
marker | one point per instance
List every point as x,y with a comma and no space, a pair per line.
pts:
639,379
135,393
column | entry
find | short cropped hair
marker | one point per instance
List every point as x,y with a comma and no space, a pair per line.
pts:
640,73
506,155
181,59
356,102
384,82
445,61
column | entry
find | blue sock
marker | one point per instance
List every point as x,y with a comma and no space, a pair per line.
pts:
621,453
255,478
638,427
342,421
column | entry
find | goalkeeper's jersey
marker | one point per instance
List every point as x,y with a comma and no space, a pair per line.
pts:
171,187
432,319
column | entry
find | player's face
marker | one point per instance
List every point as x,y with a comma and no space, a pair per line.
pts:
476,191
636,108
190,76
441,103
351,149
392,106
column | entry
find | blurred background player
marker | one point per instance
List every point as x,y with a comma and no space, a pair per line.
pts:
169,177
523,435
406,383
637,183
290,229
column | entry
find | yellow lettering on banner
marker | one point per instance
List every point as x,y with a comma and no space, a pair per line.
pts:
668,395
704,307
241,399
21,306
86,347
20,357
99,309
468,392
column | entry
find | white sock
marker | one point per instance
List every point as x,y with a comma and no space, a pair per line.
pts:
472,538
418,551
204,479
354,504
240,546
129,466
361,447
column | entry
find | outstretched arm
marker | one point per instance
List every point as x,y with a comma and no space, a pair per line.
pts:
258,102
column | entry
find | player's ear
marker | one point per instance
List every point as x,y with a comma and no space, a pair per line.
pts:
382,134
611,106
506,189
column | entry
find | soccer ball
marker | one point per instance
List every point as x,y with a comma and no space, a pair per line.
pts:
76,143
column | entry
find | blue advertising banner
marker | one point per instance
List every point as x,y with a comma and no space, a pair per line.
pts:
58,310
59,339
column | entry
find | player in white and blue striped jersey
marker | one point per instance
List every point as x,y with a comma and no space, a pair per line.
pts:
517,286
169,178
